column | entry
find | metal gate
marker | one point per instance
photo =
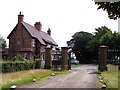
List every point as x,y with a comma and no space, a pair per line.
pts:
113,56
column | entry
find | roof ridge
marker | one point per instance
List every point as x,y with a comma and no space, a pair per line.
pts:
29,25
34,27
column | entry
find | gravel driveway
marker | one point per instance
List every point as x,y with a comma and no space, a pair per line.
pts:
83,76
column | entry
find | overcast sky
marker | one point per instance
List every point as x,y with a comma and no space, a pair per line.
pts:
64,17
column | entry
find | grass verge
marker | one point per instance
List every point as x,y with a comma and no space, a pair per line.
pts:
73,65
23,77
111,77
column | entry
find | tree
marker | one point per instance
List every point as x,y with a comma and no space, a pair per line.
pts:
2,43
79,42
112,40
94,44
85,45
112,8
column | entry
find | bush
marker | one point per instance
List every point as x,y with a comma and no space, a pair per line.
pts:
13,66
18,57
37,64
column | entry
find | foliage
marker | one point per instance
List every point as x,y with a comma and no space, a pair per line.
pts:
79,42
112,8
111,39
86,45
18,57
10,66
94,44
3,43
37,64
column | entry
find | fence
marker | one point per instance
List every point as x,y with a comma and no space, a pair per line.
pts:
113,56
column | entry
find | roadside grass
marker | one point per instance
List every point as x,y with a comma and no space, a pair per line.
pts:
111,77
74,65
23,77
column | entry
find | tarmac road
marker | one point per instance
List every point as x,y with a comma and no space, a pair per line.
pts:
83,76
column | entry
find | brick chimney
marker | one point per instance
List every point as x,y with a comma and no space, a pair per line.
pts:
49,31
38,26
20,17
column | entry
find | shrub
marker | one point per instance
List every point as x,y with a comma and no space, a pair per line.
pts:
13,66
37,64
18,57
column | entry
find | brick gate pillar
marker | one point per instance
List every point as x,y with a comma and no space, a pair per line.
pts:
64,62
103,58
48,62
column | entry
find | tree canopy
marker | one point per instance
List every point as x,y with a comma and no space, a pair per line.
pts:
79,42
111,39
112,8
86,45
3,43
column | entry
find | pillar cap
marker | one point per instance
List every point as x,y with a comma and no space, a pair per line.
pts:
103,46
64,47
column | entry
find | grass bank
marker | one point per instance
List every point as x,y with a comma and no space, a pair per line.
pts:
23,77
111,77
74,65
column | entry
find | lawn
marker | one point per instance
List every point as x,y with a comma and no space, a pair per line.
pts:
74,65
22,77
111,77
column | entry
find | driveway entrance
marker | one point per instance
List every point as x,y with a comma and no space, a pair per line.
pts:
83,76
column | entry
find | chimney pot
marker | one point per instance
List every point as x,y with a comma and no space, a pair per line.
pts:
49,31
38,26
20,17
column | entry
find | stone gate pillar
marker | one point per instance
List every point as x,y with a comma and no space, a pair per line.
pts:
64,62
48,61
103,58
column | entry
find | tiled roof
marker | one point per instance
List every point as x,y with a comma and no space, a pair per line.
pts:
40,35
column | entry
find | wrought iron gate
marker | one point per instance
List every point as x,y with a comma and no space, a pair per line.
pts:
113,56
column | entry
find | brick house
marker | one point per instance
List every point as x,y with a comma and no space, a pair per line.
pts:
29,41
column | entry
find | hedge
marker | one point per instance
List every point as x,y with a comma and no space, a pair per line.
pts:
37,64
13,66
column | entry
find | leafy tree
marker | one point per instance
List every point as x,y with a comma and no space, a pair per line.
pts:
2,43
94,44
79,42
105,39
112,40
86,45
112,8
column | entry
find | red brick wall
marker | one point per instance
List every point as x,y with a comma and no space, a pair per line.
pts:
19,38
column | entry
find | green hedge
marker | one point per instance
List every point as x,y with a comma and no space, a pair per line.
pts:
13,66
37,64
